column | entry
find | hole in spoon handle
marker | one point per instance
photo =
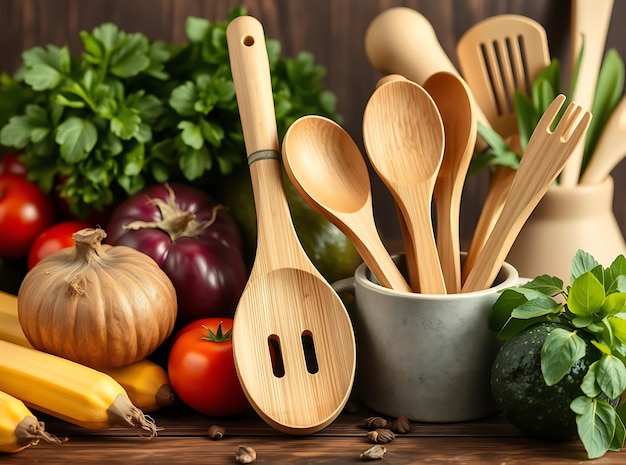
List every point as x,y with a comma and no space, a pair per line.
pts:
253,88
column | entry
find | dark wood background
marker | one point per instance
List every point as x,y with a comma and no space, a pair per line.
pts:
333,30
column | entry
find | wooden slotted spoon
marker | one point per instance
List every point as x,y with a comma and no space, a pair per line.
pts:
544,158
403,135
293,341
498,56
328,170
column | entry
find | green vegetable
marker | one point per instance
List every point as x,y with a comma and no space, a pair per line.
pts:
130,111
591,312
521,393
530,108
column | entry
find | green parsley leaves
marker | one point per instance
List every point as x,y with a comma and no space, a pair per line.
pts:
130,111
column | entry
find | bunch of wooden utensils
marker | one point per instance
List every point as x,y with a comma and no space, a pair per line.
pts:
420,133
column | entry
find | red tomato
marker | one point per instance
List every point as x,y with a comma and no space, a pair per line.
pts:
10,163
202,371
53,239
25,211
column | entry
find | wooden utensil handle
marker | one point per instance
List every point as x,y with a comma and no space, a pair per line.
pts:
248,56
400,40
391,43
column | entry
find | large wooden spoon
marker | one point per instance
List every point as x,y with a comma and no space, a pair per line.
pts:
293,342
401,40
328,170
407,241
403,135
455,105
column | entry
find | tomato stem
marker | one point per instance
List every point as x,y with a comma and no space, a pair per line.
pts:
219,335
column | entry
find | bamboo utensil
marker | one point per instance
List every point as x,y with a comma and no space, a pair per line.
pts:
590,23
404,139
544,158
402,41
499,56
452,97
293,342
328,170
611,147
407,241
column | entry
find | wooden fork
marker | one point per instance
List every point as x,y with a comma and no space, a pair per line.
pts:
544,158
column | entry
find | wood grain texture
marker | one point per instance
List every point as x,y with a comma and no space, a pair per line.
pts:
328,170
332,30
286,300
458,115
184,440
407,159
544,158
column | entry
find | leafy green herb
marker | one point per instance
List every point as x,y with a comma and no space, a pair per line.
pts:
594,303
545,87
130,111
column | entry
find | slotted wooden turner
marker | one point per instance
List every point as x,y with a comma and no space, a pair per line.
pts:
293,341
498,56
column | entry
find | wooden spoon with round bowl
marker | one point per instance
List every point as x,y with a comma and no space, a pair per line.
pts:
404,139
328,170
407,241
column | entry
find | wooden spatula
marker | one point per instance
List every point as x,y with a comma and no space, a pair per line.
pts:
293,341
498,56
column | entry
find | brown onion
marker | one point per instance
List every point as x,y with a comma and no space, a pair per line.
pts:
97,304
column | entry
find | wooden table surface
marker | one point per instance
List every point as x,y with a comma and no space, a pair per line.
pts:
184,439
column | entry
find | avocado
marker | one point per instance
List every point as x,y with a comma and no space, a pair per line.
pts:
332,253
521,393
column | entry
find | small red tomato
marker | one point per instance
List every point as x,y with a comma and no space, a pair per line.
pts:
11,163
53,239
25,211
202,370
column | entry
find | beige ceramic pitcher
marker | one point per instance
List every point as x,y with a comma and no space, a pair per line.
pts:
568,219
